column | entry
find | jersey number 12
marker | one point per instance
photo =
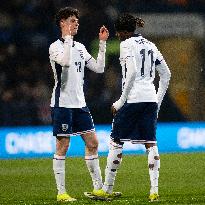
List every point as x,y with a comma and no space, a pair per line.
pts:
79,67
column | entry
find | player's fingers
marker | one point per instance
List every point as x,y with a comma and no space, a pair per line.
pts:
113,110
106,30
102,30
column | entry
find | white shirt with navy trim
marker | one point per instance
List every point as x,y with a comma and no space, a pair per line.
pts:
139,58
68,59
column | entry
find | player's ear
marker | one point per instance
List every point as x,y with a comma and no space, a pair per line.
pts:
62,22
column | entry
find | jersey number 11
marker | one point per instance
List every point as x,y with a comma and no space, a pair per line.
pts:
150,54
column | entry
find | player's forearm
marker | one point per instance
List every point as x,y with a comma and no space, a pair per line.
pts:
101,56
163,85
131,75
98,65
128,86
62,58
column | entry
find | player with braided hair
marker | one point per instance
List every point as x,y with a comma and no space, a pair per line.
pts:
136,112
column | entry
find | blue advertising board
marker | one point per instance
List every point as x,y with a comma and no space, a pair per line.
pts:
27,142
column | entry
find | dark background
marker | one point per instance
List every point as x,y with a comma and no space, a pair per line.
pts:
26,80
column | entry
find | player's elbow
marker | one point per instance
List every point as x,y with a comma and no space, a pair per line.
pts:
100,69
168,75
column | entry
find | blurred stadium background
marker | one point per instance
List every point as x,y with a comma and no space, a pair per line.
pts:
27,29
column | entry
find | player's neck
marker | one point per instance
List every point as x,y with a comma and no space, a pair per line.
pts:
125,35
64,35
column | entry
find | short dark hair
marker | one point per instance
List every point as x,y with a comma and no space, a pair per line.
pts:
127,22
64,13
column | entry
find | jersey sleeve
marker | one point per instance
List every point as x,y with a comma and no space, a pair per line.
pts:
99,64
62,57
126,53
165,75
159,58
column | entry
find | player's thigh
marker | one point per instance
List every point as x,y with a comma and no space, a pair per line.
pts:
147,124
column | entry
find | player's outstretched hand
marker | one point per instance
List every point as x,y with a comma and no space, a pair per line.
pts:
104,33
113,110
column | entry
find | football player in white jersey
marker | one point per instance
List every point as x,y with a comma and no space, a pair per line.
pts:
70,115
135,113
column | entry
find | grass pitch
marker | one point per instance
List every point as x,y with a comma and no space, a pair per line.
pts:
31,181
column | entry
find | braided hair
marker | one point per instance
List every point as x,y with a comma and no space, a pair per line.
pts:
127,22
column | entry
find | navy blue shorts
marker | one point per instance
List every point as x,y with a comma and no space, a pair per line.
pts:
135,122
71,121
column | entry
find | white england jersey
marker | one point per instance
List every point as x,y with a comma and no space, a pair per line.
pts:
68,59
139,58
